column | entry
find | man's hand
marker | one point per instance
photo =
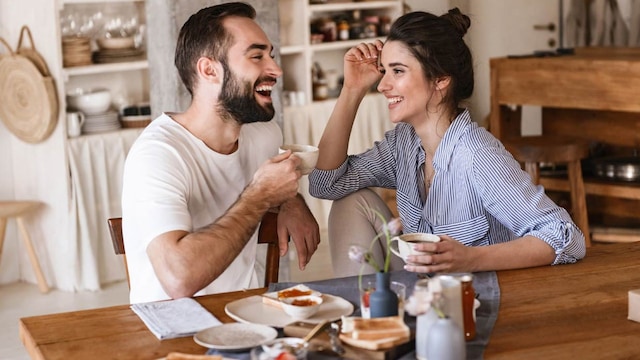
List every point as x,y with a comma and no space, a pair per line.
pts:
276,181
296,220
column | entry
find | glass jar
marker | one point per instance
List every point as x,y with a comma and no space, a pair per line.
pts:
343,30
468,298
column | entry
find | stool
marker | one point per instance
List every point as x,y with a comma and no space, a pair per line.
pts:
17,210
533,150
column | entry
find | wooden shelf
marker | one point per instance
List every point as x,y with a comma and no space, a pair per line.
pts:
630,190
297,54
105,68
346,6
338,45
96,1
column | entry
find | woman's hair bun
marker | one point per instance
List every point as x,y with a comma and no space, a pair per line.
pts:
460,21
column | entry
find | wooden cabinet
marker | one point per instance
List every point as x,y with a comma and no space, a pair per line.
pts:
298,53
592,95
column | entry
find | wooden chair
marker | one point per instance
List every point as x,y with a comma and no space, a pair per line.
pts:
267,234
18,210
533,150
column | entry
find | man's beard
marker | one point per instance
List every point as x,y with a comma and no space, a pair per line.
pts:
238,102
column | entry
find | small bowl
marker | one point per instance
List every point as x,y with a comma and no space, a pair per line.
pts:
301,307
297,348
90,101
308,156
112,43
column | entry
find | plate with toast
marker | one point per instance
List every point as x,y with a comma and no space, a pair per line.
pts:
266,309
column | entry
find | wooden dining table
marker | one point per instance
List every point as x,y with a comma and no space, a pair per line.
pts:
574,311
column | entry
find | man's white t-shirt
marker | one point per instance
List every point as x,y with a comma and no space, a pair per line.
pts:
173,181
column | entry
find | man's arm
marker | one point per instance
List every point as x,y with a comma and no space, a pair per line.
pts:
295,220
187,262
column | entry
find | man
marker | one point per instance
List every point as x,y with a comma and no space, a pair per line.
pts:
196,184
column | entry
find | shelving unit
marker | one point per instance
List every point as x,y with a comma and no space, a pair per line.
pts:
105,68
297,52
127,80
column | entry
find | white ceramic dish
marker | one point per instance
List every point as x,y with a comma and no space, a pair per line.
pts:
302,307
254,311
90,101
235,336
127,42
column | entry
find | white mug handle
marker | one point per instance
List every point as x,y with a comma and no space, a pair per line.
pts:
395,250
82,118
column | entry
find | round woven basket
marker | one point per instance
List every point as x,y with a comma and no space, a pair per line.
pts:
29,103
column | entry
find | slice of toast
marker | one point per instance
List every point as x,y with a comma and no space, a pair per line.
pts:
273,298
376,328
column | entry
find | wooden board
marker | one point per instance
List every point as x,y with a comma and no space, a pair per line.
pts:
320,342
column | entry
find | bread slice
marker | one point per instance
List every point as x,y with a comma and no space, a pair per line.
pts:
273,298
376,328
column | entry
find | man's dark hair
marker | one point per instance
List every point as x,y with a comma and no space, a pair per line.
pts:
204,35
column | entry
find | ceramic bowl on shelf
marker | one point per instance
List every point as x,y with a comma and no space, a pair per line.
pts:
90,101
112,43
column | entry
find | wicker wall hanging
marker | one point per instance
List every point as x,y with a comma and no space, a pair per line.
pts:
28,96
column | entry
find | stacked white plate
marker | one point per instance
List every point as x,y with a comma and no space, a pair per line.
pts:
98,123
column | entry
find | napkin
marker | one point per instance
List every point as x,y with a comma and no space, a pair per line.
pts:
175,318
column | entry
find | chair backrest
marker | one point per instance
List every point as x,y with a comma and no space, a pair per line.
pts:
267,234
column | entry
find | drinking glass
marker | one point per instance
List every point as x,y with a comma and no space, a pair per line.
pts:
401,290
366,288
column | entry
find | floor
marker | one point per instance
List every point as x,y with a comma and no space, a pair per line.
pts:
22,300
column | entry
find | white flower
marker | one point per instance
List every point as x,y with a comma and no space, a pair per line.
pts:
360,255
394,227
356,253
423,300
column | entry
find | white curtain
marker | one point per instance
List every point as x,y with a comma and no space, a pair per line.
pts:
603,23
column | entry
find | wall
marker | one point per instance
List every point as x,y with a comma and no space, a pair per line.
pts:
35,171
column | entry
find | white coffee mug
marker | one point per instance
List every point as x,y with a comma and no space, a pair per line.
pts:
308,155
402,245
74,123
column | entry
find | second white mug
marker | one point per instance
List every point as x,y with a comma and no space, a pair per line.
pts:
402,245
74,123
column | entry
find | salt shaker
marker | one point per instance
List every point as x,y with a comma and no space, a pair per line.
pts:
445,341
424,320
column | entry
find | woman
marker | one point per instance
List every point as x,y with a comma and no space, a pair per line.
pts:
452,177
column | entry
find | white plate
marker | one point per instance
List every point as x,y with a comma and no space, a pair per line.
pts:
234,336
252,310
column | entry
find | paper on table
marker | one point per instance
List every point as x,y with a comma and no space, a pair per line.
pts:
175,318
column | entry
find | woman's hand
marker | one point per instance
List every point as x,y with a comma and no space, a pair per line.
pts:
448,255
361,69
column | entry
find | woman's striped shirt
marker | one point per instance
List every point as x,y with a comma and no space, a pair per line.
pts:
479,194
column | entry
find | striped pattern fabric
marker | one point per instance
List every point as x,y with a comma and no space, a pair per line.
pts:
478,196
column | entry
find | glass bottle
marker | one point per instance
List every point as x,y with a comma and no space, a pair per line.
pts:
320,84
343,30
356,28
